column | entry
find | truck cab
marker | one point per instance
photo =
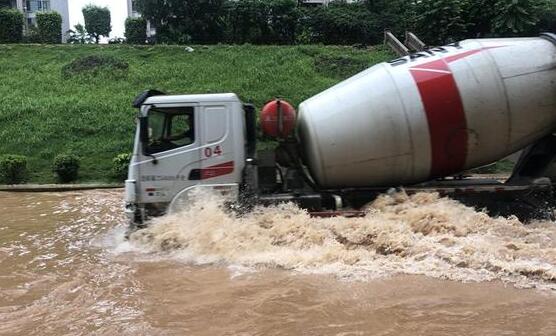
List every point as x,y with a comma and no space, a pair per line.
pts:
183,143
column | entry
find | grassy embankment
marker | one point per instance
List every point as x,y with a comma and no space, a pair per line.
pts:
43,114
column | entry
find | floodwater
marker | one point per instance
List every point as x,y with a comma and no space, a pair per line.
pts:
416,265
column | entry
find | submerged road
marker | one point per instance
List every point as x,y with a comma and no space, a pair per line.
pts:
65,269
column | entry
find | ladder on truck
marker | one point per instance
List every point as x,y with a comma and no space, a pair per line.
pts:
411,44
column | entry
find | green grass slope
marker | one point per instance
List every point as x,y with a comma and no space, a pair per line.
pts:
43,113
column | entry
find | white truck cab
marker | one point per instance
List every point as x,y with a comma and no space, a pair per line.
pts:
184,142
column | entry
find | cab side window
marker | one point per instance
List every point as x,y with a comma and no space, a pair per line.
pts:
170,128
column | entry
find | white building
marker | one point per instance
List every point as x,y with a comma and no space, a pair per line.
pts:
29,8
132,12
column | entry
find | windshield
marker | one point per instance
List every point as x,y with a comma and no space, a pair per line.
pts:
170,128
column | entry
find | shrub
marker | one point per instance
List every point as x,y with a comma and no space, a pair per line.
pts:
136,30
66,166
78,35
120,165
13,168
32,35
94,65
11,26
50,27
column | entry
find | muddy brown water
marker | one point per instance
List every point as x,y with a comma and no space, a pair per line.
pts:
414,266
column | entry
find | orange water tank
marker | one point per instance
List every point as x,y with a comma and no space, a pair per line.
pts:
278,118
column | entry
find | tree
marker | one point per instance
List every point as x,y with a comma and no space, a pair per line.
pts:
5,3
478,16
440,21
487,18
283,19
397,16
248,21
548,20
517,17
182,21
262,21
79,35
97,21
49,25
205,20
343,23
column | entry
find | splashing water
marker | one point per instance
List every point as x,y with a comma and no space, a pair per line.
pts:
418,234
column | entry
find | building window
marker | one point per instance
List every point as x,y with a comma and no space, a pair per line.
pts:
37,5
43,5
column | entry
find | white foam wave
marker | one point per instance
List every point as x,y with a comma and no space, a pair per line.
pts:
418,234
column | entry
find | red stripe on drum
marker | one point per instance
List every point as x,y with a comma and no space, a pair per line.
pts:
445,117
445,113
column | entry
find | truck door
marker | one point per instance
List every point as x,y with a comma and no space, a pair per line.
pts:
172,154
217,154
222,153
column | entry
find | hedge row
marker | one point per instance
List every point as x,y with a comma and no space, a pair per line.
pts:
11,26
14,170
136,30
49,26
48,30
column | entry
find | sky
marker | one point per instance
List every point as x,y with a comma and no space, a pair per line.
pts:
118,13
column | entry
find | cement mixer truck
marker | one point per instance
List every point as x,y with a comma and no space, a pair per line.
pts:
416,122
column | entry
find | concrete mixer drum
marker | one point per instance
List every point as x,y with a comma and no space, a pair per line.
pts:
431,114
